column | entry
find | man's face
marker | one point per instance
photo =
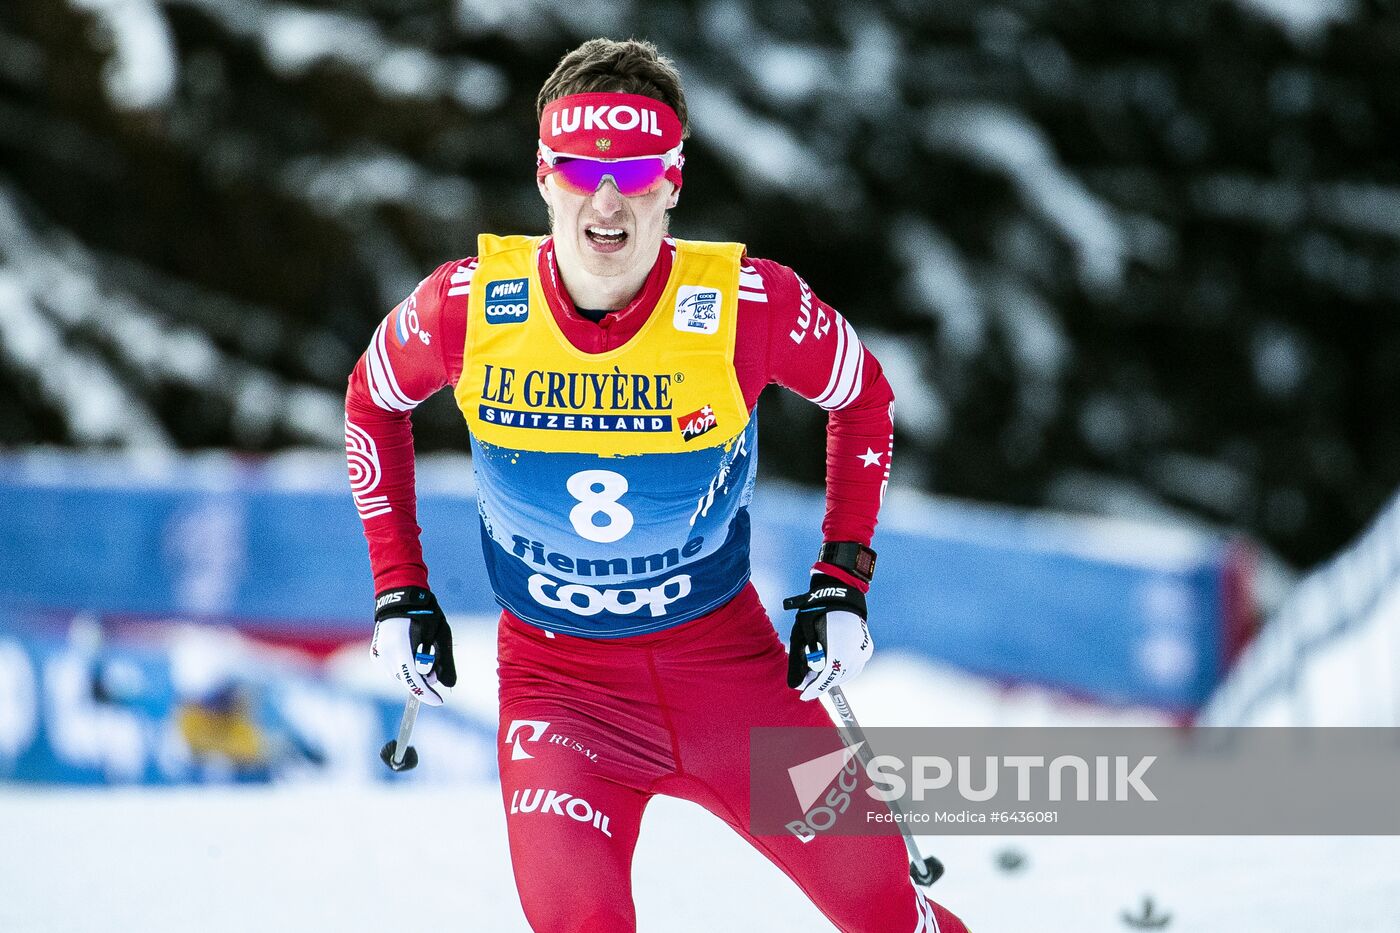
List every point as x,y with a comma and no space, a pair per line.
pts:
606,234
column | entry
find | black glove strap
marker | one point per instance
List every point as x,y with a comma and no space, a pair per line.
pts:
827,594
397,602
851,556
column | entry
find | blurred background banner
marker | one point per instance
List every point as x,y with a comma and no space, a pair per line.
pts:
1113,611
169,706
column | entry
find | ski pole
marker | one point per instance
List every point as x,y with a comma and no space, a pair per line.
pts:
925,870
397,753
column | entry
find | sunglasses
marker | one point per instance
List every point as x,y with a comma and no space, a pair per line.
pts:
583,175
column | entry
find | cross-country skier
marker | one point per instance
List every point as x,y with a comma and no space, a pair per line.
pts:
608,374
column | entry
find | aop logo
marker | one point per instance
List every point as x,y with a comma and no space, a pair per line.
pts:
534,728
696,423
584,600
507,301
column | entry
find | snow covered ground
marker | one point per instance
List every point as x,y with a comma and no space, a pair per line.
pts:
350,857
314,858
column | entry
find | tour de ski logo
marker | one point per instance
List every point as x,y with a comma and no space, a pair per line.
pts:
507,301
697,423
697,310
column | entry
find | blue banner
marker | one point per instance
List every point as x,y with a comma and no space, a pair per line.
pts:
1114,611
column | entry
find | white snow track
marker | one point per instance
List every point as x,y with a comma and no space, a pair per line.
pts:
312,858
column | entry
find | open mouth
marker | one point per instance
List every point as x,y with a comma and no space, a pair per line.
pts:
605,239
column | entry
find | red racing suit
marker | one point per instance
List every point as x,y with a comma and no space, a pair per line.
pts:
593,727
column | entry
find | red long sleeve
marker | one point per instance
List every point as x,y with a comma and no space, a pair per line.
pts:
415,351
815,352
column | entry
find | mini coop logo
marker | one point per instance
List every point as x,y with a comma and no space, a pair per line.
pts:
507,301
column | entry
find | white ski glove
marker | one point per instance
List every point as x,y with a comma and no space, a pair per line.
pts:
830,640
409,630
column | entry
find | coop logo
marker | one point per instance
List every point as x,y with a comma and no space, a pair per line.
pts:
584,600
697,310
823,787
697,423
507,301
559,804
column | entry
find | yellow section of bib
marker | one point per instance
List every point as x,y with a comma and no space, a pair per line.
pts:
670,389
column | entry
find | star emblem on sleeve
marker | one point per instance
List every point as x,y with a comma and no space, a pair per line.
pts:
870,457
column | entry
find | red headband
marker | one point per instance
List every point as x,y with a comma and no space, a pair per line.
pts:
611,126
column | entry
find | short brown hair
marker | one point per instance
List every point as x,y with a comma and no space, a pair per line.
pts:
631,67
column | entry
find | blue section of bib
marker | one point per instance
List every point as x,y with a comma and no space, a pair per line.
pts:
611,546
617,608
